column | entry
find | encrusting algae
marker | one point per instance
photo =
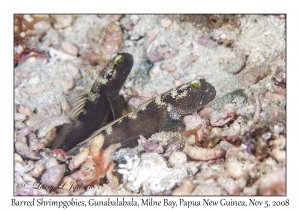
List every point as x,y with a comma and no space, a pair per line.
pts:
235,145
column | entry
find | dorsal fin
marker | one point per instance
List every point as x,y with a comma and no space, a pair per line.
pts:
77,105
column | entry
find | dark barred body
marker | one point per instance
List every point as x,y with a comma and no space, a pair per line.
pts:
163,113
94,108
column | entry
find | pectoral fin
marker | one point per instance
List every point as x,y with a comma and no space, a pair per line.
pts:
63,134
171,121
77,105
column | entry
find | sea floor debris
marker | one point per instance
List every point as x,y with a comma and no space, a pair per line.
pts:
236,145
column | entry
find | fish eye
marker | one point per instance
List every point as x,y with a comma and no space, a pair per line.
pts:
119,59
113,55
195,83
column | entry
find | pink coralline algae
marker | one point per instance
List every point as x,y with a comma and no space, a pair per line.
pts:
203,154
274,96
279,78
34,143
219,118
93,57
173,146
116,17
69,48
189,61
169,67
112,40
23,137
53,108
128,23
53,175
24,131
279,90
161,53
255,74
23,150
151,146
75,73
206,41
272,183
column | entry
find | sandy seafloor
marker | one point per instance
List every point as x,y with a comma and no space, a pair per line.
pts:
243,56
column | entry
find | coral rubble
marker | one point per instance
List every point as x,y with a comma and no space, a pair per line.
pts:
236,145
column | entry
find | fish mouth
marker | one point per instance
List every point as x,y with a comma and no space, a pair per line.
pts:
209,93
212,93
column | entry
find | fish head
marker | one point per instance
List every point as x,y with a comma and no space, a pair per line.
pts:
192,96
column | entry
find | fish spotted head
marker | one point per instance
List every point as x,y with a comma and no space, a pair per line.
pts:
123,63
191,96
116,72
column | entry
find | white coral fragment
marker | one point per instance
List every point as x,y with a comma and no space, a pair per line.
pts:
78,159
151,173
177,159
